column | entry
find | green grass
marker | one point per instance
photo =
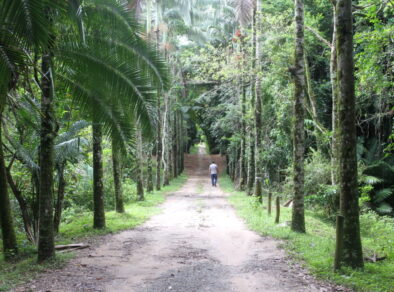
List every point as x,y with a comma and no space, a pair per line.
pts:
316,248
137,212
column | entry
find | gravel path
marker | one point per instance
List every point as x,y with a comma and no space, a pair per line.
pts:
196,244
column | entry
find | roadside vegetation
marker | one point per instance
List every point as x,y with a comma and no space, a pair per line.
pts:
316,248
79,229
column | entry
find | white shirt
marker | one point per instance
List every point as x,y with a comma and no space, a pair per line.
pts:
213,168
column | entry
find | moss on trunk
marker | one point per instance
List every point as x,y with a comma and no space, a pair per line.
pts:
46,242
347,159
298,216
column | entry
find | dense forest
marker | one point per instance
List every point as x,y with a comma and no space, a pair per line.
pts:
100,101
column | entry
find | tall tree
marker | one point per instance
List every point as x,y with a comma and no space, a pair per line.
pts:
298,217
243,160
257,108
334,111
347,160
49,128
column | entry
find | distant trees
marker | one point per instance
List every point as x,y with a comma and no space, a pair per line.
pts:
309,146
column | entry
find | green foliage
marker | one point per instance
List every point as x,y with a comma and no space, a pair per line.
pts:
316,248
78,228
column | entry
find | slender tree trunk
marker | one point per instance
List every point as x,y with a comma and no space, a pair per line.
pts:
159,146
312,108
149,182
10,247
334,115
98,174
251,166
35,204
117,172
165,143
180,144
257,108
28,221
60,196
140,179
243,158
183,134
347,161
46,242
174,147
298,217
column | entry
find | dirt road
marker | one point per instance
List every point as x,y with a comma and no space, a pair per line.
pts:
196,244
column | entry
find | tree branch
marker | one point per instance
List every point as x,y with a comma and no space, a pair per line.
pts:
318,36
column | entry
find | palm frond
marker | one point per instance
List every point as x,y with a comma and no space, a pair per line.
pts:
115,125
382,195
69,150
72,131
25,155
244,10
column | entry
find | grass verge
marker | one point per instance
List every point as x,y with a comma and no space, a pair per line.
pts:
137,212
316,248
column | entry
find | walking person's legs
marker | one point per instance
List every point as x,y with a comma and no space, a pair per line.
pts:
213,179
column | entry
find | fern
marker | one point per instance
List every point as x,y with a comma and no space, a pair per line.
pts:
370,180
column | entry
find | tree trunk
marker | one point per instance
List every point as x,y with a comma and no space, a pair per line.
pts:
159,145
180,144
60,196
149,180
251,167
165,143
10,247
257,108
174,147
98,174
334,115
117,172
243,160
46,243
347,161
182,148
298,217
28,221
140,179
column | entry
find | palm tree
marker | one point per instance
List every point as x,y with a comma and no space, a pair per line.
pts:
23,27
141,68
128,66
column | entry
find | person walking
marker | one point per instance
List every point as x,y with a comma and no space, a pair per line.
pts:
213,170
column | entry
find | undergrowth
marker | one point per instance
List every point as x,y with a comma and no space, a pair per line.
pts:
137,212
316,248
